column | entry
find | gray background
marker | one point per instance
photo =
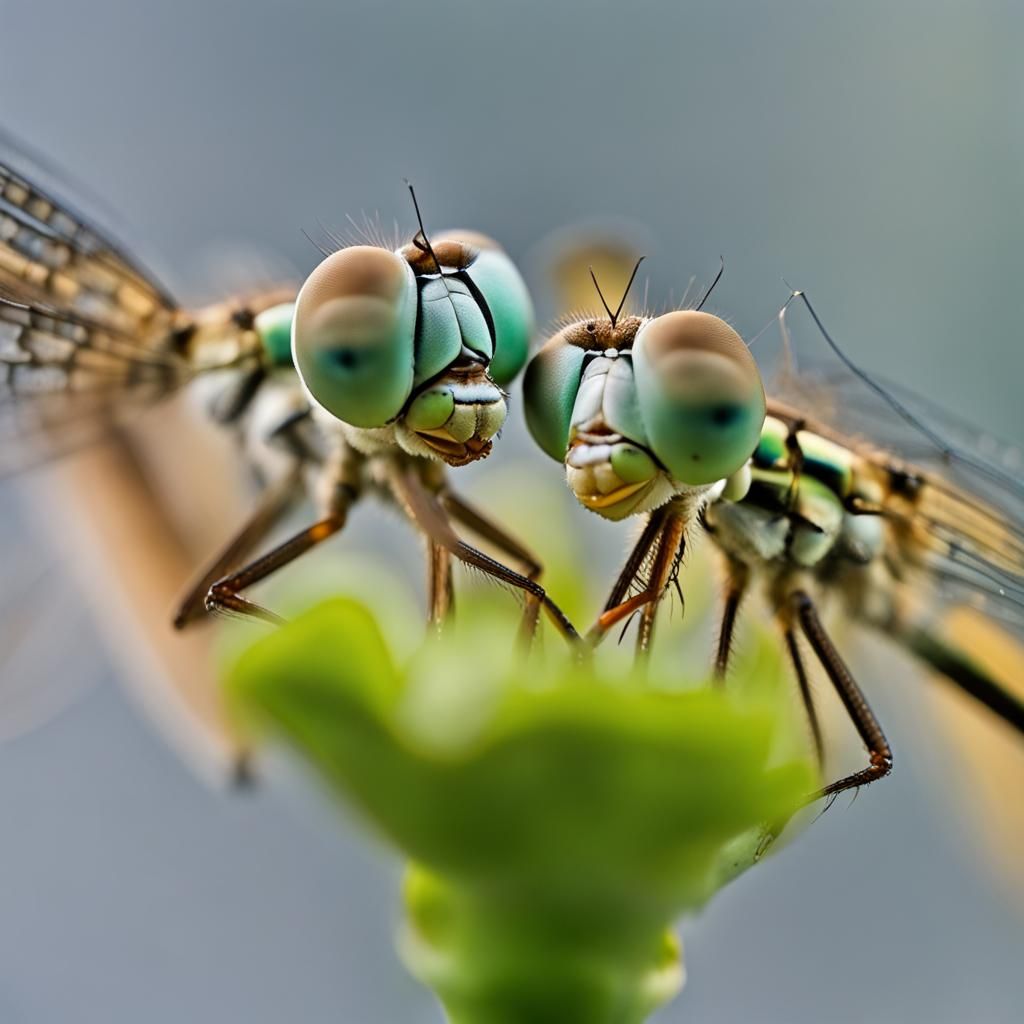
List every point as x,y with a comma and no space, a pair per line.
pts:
871,153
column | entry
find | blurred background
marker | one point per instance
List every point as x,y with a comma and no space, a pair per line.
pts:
869,153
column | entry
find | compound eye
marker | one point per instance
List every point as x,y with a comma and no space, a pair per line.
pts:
701,397
550,387
353,334
500,284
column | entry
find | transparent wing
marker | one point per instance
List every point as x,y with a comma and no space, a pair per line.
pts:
87,337
961,511
51,254
65,380
85,332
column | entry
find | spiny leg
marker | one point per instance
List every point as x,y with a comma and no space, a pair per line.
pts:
274,504
425,511
655,537
736,588
485,528
665,565
618,606
645,631
225,594
637,557
863,718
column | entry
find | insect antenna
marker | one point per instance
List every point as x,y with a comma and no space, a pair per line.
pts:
718,277
600,295
424,245
613,317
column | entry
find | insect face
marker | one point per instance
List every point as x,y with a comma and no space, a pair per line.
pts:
645,408
415,343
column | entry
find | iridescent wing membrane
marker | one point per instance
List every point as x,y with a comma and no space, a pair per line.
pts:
954,494
85,333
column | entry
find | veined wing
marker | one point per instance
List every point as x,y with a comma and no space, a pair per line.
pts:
65,380
954,494
84,331
51,254
88,337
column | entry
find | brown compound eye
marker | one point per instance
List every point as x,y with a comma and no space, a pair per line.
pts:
353,334
701,397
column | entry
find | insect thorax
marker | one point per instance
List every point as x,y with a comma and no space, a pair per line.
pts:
811,502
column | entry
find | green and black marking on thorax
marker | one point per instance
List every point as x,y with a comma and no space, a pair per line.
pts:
809,499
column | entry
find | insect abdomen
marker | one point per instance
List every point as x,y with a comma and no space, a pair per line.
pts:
967,673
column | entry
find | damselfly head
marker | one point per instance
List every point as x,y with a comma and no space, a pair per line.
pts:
419,341
641,408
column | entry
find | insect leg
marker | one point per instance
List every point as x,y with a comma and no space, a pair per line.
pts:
473,519
636,559
793,647
485,528
273,506
650,546
666,562
863,718
736,588
439,584
225,594
426,512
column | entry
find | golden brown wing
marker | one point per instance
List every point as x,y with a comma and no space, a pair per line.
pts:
65,380
50,254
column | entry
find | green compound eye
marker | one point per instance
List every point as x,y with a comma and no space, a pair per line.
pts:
502,288
353,334
274,327
550,387
701,396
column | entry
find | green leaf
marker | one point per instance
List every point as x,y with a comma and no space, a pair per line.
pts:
559,819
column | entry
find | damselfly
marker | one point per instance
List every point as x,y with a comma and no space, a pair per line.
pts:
386,367
855,500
